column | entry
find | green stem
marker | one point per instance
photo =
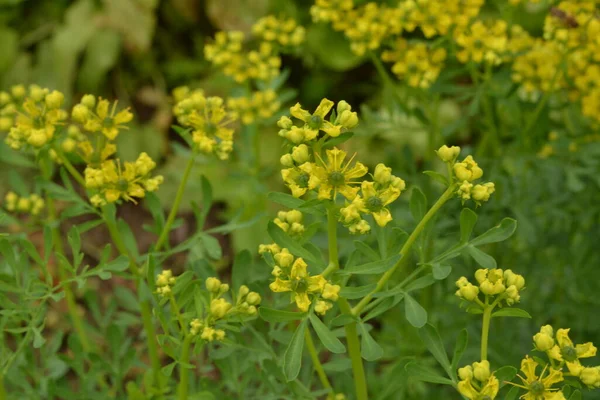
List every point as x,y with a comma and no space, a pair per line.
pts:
358,371
2,390
310,345
405,251
175,208
485,331
182,390
72,170
334,263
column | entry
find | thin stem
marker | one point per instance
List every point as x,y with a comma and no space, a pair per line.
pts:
182,390
405,251
334,262
175,208
358,371
310,345
485,331
2,390
177,312
72,170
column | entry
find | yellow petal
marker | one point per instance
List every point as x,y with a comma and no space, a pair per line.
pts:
491,388
563,339
302,301
368,189
323,108
528,366
359,170
554,353
586,350
382,217
316,283
335,159
553,377
280,286
466,389
298,112
330,129
298,269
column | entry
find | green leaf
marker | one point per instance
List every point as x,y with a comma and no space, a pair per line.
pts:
436,176
425,374
119,264
101,55
328,339
459,349
336,141
511,312
482,258
207,195
38,339
432,340
370,350
274,315
292,359
440,271
284,240
418,204
241,268
356,292
576,395
512,394
212,246
420,283
292,202
129,238
505,374
497,234
375,267
167,370
366,250
468,219
415,313
343,319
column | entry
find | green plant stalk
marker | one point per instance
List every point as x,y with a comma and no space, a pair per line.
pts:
358,371
485,331
72,170
334,263
405,251
164,235
182,389
2,390
310,345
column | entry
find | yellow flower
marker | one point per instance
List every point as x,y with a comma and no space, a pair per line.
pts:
300,179
375,201
482,43
544,339
539,387
300,283
565,351
467,170
259,106
416,64
334,177
316,121
591,377
466,289
219,307
282,31
164,281
448,154
105,119
487,385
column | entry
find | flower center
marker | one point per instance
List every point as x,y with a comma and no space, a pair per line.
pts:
300,286
336,178
486,397
315,122
210,129
374,204
569,353
122,185
302,180
536,388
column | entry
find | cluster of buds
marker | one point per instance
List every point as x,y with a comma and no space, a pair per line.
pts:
504,284
259,105
477,382
221,309
465,173
559,347
282,31
113,181
164,282
208,118
35,124
97,116
291,275
33,204
8,106
290,222
373,199
342,120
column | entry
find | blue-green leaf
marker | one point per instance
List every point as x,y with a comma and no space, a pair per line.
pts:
292,359
415,313
273,315
370,350
468,219
328,339
500,232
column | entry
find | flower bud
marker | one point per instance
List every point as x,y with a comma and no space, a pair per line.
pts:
322,307
286,160
398,183
543,341
331,292
448,154
219,307
343,106
251,310
481,370
37,138
547,329
382,174
243,291
293,216
5,123
487,287
223,288
54,100
465,373
590,376
80,113
284,259
213,284
89,101
469,292
348,119
462,281
253,299
481,275
300,154
285,122
18,91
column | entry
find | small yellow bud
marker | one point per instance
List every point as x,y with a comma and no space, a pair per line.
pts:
398,183
285,122
68,145
54,100
462,282
481,370
590,376
89,100
80,113
321,307
37,138
331,292
284,258
300,154
293,216
5,123
465,373
286,160
382,174
213,284
469,292
219,307
253,299
448,154
251,310
18,91
348,119
481,275
343,106
543,341
243,291
547,329
224,288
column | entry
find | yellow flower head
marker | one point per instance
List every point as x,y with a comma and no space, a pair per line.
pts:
482,43
103,118
416,64
285,32
368,26
539,387
566,351
290,222
300,284
477,382
259,106
32,204
374,201
164,282
300,179
334,177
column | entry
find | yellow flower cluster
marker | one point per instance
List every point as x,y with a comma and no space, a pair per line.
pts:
416,63
290,222
113,181
227,53
505,285
38,118
259,105
209,120
538,70
8,106
32,204
282,31
539,386
291,275
97,116
208,327
373,199
482,42
477,382
164,282
560,348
